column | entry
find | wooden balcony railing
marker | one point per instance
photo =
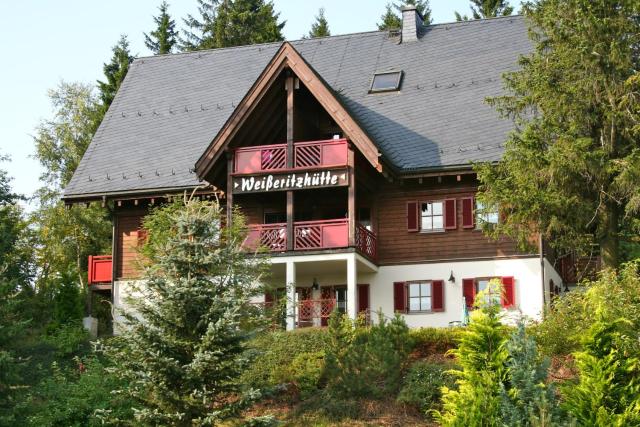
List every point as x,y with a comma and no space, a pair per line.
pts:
100,269
266,158
311,235
313,309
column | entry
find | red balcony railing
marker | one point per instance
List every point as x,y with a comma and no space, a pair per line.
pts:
265,158
366,242
309,310
100,269
312,235
325,234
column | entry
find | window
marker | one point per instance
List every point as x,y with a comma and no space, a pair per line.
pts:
275,217
493,297
485,217
419,296
364,217
386,81
432,216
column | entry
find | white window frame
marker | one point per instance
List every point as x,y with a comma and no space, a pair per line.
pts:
490,218
420,297
441,215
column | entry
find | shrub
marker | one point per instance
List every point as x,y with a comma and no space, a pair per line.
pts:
275,352
429,341
422,385
68,340
365,361
306,372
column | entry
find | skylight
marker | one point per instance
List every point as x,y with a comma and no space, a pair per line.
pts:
388,81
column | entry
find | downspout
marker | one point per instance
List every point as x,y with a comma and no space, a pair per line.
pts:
544,302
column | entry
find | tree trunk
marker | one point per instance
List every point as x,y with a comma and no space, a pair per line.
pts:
609,239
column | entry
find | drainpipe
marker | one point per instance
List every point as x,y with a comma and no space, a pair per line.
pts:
544,302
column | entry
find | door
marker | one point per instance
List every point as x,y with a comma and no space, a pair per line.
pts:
363,298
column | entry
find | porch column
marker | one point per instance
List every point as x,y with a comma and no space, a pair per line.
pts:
352,287
291,295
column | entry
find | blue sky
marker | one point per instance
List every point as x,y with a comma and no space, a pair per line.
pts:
47,41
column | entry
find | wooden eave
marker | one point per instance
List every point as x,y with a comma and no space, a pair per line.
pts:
288,57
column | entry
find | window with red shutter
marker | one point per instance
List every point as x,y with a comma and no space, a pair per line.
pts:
508,292
450,214
437,295
399,297
469,291
467,212
412,216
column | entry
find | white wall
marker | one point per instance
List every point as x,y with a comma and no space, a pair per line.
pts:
526,271
122,289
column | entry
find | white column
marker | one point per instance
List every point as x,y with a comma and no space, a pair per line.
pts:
291,295
352,286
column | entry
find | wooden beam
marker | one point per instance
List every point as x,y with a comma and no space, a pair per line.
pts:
289,86
351,202
229,189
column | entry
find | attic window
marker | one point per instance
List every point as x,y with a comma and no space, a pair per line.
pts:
384,82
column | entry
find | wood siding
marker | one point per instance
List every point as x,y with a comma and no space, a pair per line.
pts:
128,224
397,245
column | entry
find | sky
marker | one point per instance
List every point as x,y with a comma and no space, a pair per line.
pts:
48,41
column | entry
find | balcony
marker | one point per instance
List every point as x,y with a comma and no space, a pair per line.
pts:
100,272
311,235
306,155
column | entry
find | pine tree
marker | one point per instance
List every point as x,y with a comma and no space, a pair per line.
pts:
482,9
392,20
115,72
164,37
232,23
570,169
320,28
183,346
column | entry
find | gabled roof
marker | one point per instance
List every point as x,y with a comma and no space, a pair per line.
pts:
170,107
288,57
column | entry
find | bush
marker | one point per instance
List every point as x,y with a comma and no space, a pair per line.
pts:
69,340
365,361
306,372
429,341
422,385
275,353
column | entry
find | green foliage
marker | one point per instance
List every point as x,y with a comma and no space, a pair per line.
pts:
320,28
275,352
391,20
365,361
163,39
615,295
72,396
114,72
68,341
231,23
482,9
569,170
434,340
608,391
184,345
306,371
422,385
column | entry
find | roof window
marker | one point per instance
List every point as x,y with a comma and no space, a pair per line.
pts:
387,81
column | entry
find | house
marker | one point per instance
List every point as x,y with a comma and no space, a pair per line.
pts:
350,157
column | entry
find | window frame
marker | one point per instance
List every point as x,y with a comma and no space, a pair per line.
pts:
480,218
408,296
476,281
396,88
431,230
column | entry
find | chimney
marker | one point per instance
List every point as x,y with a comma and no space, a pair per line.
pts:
411,22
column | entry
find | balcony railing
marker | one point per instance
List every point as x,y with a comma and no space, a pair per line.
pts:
267,158
312,235
100,269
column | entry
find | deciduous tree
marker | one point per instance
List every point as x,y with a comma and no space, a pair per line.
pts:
570,169
163,39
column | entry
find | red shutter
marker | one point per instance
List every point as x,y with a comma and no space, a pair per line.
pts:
508,292
437,295
363,298
268,298
469,291
412,216
467,212
399,297
450,214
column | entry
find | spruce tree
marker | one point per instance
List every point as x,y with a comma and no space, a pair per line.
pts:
320,28
183,345
392,20
570,168
163,39
232,23
482,9
115,72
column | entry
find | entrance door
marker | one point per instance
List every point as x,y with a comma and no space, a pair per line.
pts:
363,298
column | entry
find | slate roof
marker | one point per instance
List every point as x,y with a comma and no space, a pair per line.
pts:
169,108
